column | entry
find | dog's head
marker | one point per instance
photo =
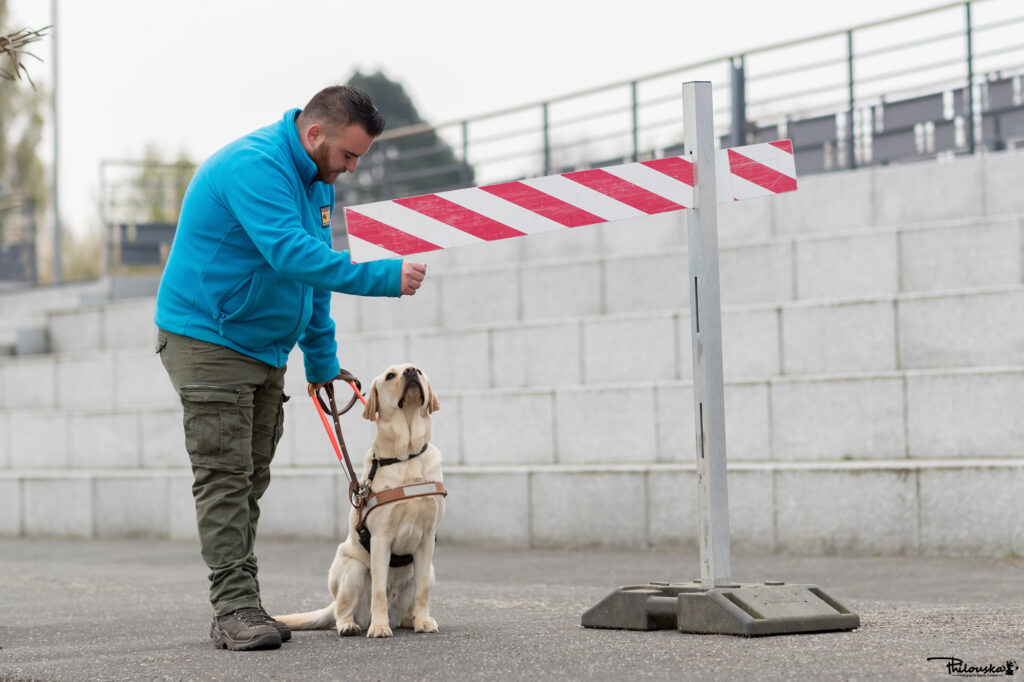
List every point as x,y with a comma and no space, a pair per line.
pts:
400,388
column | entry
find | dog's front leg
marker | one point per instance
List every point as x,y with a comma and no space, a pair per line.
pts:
380,559
422,566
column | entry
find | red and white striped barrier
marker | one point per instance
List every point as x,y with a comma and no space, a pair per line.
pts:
401,227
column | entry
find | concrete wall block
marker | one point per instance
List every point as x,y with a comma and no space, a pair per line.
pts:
87,379
966,415
747,220
295,495
846,512
365,355
845,337
962,330
1004,176
29,383
491,254
182,507
747,424
652,282
132,506
104,440
480,297
562,290
537,354
309,444
972,512
5,440
750,343
835,419
674,418
130,324
408,312
928,191
563,244
163,440
644,235
39,440
453,360
76,330
630,349
606,425
760,273
961,257
346,313
858,266
10,507
583,509
489,508
508,428
58,507
827,202
142,380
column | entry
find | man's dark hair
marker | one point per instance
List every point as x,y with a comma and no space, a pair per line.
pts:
342,105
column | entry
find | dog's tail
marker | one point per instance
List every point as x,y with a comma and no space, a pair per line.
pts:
312,620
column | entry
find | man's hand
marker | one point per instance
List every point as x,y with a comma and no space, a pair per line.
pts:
412,277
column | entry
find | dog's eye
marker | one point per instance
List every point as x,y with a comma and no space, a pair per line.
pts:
390,376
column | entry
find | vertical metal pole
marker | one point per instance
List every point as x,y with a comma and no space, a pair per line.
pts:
969,92
58,270
636,123
464,168
547,141
706,329
851,158
739,102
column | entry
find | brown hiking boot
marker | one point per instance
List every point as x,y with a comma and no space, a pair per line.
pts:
282,629
244,630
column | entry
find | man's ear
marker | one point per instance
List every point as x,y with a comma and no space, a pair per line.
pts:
370,411
313,134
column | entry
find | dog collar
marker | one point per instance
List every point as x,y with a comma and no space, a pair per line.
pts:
392,460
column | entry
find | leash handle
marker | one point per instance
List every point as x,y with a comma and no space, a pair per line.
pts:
335,436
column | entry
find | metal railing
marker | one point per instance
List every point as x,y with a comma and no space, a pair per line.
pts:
941,81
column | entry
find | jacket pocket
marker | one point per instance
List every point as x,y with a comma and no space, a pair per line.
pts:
240,301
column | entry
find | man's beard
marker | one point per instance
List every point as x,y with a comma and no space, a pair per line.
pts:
324,172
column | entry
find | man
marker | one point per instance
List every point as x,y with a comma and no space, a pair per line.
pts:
250,273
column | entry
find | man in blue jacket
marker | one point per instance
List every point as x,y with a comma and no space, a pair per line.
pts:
250,273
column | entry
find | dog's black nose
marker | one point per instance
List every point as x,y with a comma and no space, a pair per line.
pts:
411,370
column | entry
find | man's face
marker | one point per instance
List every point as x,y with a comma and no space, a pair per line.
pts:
338,153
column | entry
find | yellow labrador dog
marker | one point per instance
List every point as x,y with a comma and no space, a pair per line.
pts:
402,456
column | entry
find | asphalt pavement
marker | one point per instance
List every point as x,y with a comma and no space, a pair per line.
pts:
137,610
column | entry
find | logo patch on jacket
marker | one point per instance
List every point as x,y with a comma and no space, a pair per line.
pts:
325,216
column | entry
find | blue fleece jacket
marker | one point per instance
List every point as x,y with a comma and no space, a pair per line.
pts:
251,266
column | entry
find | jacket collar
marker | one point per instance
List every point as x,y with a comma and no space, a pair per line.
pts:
305,165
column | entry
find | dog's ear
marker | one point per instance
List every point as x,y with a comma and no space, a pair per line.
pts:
370,411
433,404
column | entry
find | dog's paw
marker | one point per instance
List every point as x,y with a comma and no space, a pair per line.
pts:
407,622
378,631
349,629
425,625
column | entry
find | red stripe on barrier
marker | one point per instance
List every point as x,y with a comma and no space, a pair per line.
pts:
674,167
459,217
622,190
385,236
543,204
760,174
784,145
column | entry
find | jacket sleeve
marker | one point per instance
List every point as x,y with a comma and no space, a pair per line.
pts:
261,194
318,343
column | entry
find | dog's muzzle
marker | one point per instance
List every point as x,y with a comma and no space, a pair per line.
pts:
413,386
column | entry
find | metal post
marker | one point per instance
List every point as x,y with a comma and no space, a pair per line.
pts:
636,123
851,158
58,270
547,141
706,330
739,102
969,91
464,168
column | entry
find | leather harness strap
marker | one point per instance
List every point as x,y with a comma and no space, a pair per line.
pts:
360,496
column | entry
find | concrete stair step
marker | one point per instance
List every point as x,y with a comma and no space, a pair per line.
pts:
888,506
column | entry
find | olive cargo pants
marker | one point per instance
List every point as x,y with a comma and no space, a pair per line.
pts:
233,418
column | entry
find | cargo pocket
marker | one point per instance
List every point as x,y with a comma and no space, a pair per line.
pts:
214,435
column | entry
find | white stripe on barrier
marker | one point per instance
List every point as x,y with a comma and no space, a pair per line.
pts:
583,197
495,208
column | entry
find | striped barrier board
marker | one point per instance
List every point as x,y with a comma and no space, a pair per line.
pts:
400,227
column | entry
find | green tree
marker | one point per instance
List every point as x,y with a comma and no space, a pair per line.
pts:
159,187
401,166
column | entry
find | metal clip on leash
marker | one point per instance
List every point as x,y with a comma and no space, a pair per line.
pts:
357,493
